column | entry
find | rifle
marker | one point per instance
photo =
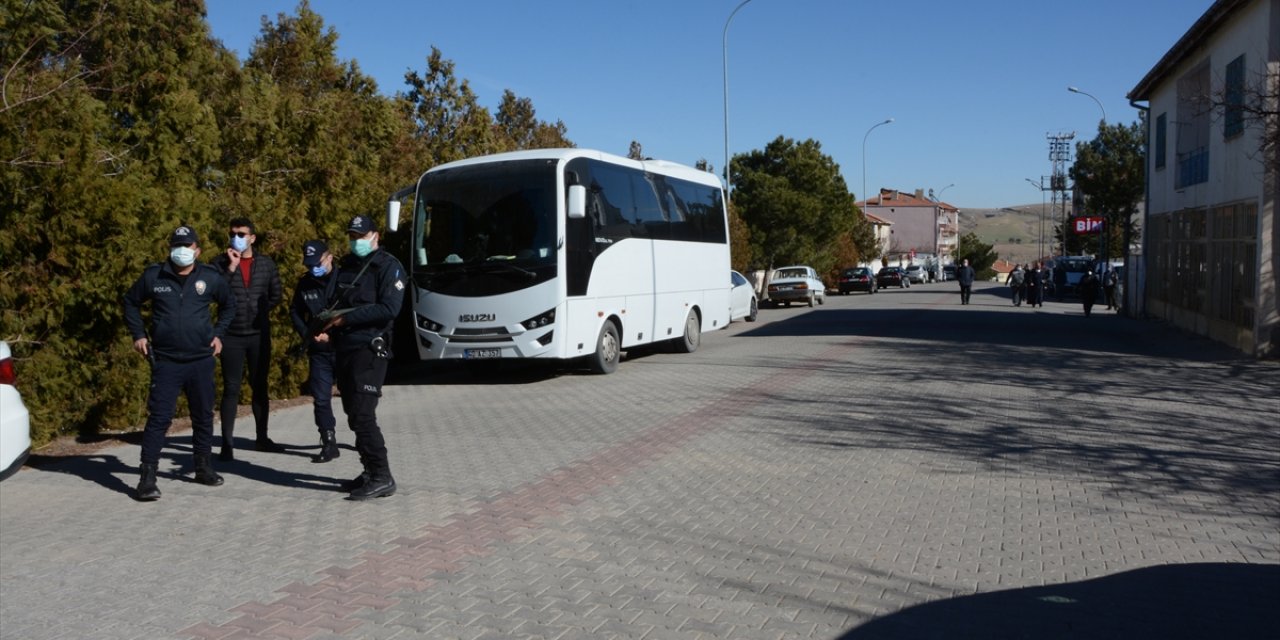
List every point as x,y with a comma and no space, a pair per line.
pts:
315,327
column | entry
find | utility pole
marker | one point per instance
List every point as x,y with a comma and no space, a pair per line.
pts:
1059,156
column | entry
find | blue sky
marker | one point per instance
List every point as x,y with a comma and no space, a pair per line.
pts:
974,87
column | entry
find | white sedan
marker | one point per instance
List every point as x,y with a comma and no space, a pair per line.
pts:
15,422
796,283
742,299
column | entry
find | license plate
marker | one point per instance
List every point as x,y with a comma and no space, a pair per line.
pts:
473,354
784,287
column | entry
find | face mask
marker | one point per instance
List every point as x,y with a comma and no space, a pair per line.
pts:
362,247
182,256
239,244
319,270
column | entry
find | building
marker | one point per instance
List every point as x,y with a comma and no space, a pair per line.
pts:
920,225
883,230
1210,239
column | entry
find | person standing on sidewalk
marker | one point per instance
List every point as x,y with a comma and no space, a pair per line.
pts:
1088,289
255,281
365,295
1016,278
1110,280
309,301
965,276
1035,285
183,343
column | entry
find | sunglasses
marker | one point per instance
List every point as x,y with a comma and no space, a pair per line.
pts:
240,234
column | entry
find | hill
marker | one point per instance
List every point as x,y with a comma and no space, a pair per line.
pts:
1014,231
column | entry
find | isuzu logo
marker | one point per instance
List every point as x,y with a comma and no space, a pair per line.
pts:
477,317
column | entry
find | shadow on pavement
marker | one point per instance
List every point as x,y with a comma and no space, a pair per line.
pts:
1174,601
120,476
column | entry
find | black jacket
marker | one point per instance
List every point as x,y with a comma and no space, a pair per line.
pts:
373,296
308,301
182,325
253,303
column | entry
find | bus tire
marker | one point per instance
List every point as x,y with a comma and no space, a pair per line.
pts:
608,350
688,343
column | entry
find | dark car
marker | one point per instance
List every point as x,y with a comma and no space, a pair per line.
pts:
857,279
892,277
949,272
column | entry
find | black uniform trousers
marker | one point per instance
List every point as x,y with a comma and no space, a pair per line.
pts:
322,365
168,378
360,377
237,351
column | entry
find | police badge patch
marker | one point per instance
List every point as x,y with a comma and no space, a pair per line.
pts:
399,285
200,287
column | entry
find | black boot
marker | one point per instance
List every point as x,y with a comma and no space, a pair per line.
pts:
204,471
355,483
379,484
147,483
328,447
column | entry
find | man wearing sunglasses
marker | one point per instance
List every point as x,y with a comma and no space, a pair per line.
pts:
255,282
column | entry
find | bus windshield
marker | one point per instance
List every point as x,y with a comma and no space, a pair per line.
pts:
486,229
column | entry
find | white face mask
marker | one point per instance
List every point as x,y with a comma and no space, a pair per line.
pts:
182,256
238,243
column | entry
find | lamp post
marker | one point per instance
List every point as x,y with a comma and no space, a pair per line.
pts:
1040,243
865,199
724,52
1095,99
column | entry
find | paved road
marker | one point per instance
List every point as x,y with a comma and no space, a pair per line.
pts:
887,466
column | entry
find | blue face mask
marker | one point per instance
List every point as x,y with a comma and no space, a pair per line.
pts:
319,271
182,256
362,247
238,243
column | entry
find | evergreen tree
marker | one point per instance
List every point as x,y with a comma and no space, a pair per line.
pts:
1109,172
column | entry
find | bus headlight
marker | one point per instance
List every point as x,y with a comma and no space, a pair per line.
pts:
541,320
429,324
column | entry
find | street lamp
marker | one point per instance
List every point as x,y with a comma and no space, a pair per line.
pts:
1095,99
866,200
1040,246
724,52
944,189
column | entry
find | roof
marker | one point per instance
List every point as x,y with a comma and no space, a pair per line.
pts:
877,219
896,198
663,167
1187,45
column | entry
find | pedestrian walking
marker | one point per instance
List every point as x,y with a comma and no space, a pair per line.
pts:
309,301
965,276
255,282
1016,282
1035,285
365,294
182,343
1110,280
1088,288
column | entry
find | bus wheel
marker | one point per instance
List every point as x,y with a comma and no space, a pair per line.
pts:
692,334
608,350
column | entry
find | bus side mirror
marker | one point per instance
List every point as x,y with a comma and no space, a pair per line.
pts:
393,215
577,208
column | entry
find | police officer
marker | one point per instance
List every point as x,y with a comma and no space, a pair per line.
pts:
308,302
183,343
365,295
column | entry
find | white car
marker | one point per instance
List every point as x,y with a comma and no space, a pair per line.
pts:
797,283
15,422
742,299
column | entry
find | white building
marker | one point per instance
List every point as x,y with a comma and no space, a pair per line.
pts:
1210,237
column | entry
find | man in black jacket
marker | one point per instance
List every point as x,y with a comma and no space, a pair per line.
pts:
181,349
255,281
309,301
365,293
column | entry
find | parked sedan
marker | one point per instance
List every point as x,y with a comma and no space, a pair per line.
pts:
892,277
857,279
797,284
15,422
742,298
916,274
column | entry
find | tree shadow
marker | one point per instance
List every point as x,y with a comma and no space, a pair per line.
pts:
1207,600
